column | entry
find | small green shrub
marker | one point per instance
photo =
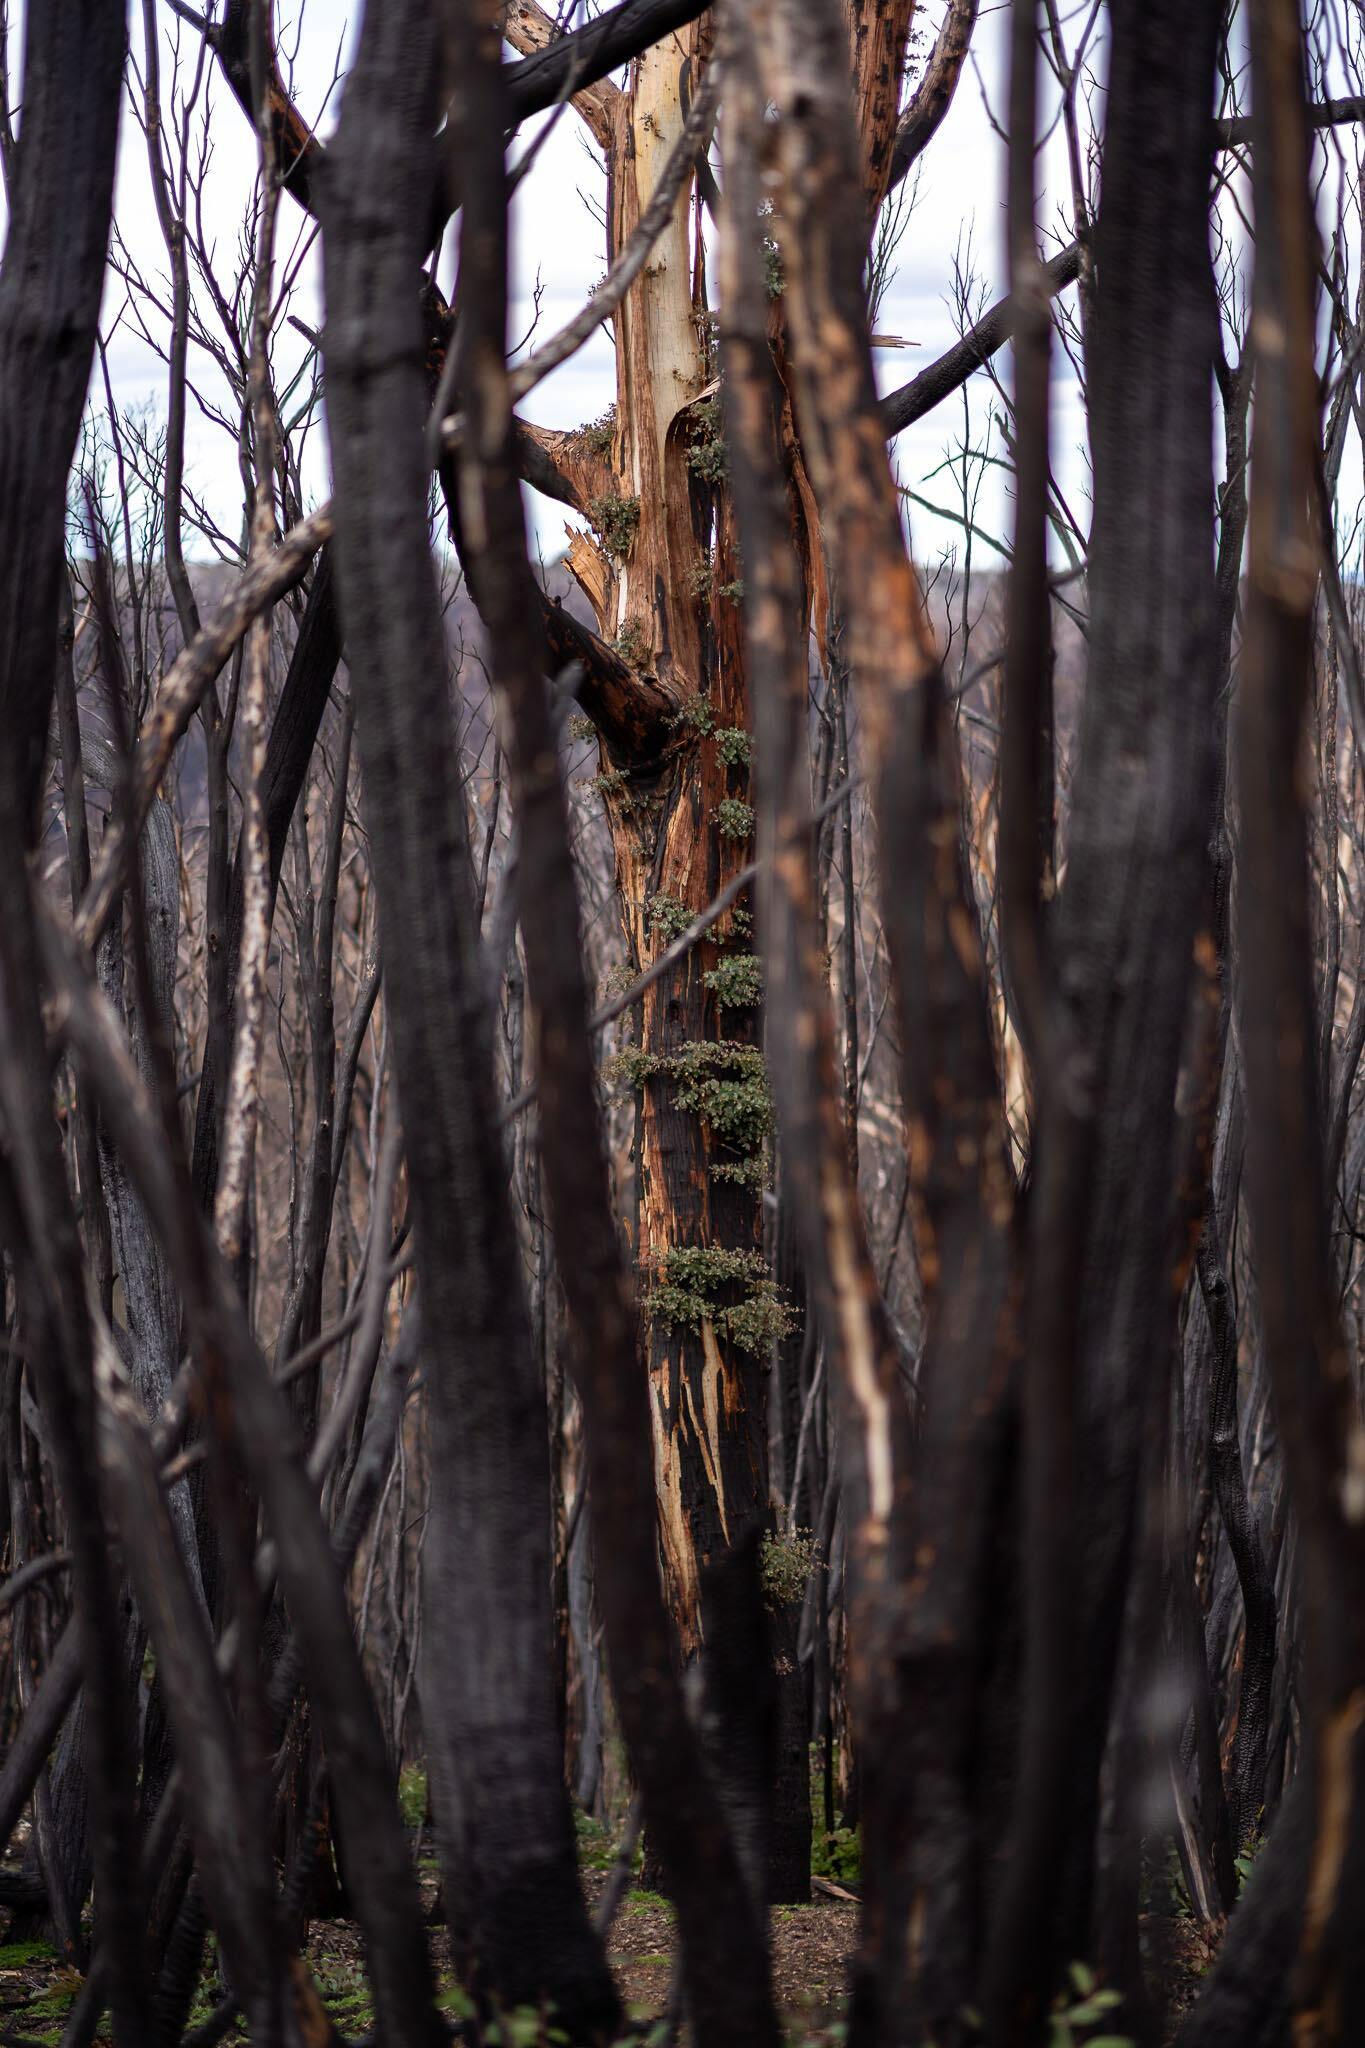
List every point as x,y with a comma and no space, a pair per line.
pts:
723,1082
668,916
734,818
412,1795
632,644
735,746
599,434
617,521
693,1285
748,1173
836,1854
736,983
696,714
786,1562
1086,2004
707,457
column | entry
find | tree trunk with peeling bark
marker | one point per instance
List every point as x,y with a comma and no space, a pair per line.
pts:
661,571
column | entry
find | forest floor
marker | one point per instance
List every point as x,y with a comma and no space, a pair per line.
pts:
812,1947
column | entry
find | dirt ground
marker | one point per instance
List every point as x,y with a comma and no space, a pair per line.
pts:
812,1946
811,1949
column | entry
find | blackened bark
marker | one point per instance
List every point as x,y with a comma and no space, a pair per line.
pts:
924,1700
1124,936
50,285
1245,2003
569,64
900,409
934,94
1246,1787
245,1400
507,1841
49,302
1311,1375
724,1949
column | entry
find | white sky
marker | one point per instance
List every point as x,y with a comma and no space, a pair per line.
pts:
958,213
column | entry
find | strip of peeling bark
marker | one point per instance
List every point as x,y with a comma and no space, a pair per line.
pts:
877,35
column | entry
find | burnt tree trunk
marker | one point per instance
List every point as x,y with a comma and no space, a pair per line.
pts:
510,1878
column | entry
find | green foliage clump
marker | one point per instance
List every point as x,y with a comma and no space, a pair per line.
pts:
694,1283
738,925
736,983
696,714
722,1082
708,333
412,1795
617,520
726,1084
599,434
632,644
756,1324
774,276
748,1173
836,1854
735,746
668,916
707,457
345,1992
610,782
1085,2004
734,818
523,2027
595,1851
581,728
733,592
618,978
739,1111
785,1564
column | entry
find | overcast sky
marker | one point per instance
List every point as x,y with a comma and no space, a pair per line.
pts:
957,218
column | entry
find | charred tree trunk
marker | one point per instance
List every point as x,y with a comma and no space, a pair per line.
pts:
511,1885
1115,1006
